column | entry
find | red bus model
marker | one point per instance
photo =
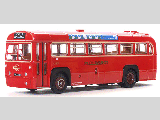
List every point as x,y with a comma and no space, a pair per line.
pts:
35,60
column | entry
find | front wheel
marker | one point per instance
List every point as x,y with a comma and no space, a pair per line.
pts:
129,79
59,83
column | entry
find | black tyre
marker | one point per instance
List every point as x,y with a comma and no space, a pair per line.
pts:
129,79
59,83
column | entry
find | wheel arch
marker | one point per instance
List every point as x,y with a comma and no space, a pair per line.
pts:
132,67
63,70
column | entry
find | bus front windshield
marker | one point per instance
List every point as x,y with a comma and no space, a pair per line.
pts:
17,52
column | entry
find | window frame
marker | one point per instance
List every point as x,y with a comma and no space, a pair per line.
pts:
126,46
17,54
100,53
106,53
143,53
59,54
45,51
37,51
152,48
74,54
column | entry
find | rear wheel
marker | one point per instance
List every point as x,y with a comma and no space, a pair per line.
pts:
59,83
129,79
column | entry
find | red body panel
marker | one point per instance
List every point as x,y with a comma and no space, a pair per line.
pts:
82,68
107,73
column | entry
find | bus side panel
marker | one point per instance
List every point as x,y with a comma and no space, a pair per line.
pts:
83,69
81,74
79,78
152,72
155,67
143,75
113,70
144,63
113,77
114,73
91,78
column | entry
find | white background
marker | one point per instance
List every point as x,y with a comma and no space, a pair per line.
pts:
141,89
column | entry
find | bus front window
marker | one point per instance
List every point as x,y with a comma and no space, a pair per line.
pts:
18,52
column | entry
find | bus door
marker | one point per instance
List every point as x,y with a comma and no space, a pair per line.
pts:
41,49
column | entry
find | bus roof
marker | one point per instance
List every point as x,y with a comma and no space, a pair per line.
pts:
66,35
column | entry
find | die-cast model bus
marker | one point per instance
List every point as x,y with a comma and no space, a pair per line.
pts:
36,60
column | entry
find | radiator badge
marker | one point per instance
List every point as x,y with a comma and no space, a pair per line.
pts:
16,67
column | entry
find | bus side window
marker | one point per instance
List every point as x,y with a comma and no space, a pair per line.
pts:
45,49
78,49
37,51
95,49
126,48
59,49
111,49
150,49
141,48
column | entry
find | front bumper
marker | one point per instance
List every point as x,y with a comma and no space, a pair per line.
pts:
20,82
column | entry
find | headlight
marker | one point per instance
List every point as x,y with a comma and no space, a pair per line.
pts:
25,74
29,67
